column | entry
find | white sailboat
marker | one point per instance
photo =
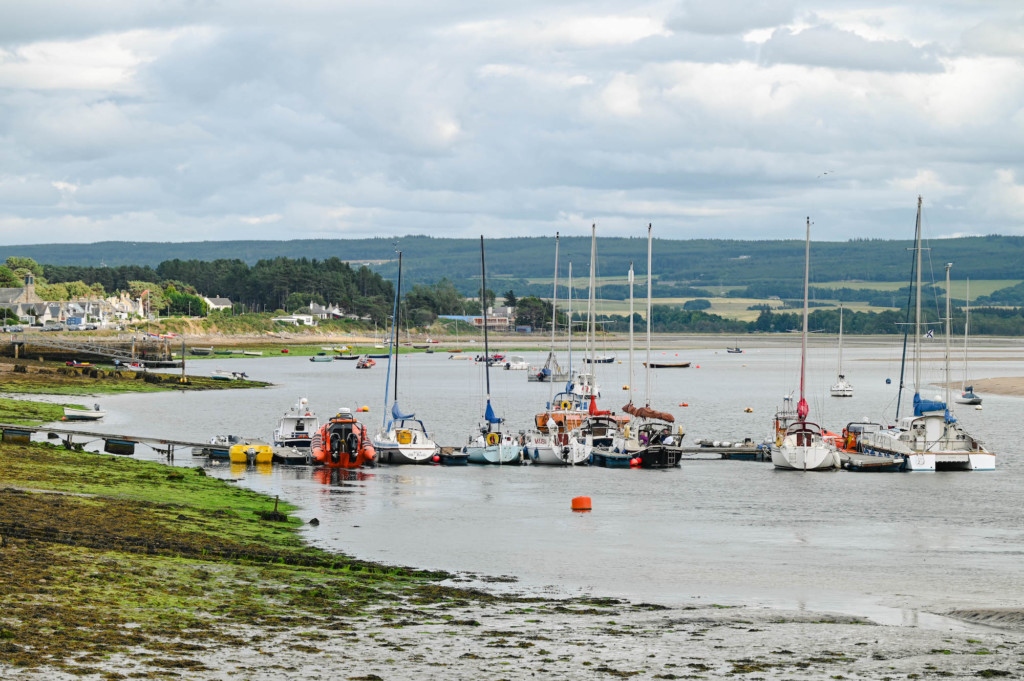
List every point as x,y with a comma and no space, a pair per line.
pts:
491,443
401,438
967,394
554,440
931,438
842,387
803,447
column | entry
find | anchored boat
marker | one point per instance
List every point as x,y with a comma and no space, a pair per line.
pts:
342,442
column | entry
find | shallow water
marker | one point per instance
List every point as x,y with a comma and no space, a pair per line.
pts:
893,547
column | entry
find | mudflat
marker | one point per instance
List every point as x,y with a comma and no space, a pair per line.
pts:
112,568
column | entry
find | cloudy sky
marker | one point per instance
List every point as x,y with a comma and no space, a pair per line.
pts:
186,120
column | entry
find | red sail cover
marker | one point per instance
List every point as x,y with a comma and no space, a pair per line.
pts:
648,413
594,411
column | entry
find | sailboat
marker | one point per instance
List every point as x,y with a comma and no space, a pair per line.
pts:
803,447
554,440
967,394
551,371
402,438
842,387
931,438
648,438
491,443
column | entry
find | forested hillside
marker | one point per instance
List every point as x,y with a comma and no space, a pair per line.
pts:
516,262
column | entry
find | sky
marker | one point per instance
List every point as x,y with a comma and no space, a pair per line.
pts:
193,120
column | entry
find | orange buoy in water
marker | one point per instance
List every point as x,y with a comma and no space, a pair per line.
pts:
697,367
581,503
625,387
437,459
684,404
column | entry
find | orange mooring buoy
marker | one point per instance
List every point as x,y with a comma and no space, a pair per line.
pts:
581,503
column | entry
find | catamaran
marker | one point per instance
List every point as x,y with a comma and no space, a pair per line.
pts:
931,438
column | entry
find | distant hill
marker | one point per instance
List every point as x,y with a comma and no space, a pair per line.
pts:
514,262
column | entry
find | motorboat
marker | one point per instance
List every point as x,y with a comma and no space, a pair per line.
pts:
516,363
225,375
297,426
73,414
251,452
343,442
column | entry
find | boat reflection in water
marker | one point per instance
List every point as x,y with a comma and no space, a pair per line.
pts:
338,477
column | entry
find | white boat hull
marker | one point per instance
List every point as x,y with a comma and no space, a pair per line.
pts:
502,453
815,457
543,450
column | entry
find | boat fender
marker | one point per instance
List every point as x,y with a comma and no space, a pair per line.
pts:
492,438
565,404
625,431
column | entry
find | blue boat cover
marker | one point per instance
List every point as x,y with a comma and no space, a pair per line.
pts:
490,415
921,406
397,414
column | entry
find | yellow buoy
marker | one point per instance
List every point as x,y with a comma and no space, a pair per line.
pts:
749,410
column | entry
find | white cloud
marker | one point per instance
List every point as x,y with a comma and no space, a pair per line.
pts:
240,120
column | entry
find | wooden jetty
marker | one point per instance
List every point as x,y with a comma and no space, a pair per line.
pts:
113,444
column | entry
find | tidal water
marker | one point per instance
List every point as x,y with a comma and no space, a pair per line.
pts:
895,547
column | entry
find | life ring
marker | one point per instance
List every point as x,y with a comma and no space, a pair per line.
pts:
565,405
492,438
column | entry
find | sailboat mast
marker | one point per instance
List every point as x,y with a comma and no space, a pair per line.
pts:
592,334
917,309
967,327
647,374
949,315
392,345
483,306
554,320
631,332
801,408
398,308
840,340
568,312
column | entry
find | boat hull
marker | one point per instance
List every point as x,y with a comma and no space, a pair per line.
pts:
817,457
544,450
503,453
394,453
606,459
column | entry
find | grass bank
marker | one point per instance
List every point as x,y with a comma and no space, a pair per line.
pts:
29,377
101,554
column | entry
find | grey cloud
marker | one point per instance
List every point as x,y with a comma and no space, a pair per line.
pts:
828,46
731,16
